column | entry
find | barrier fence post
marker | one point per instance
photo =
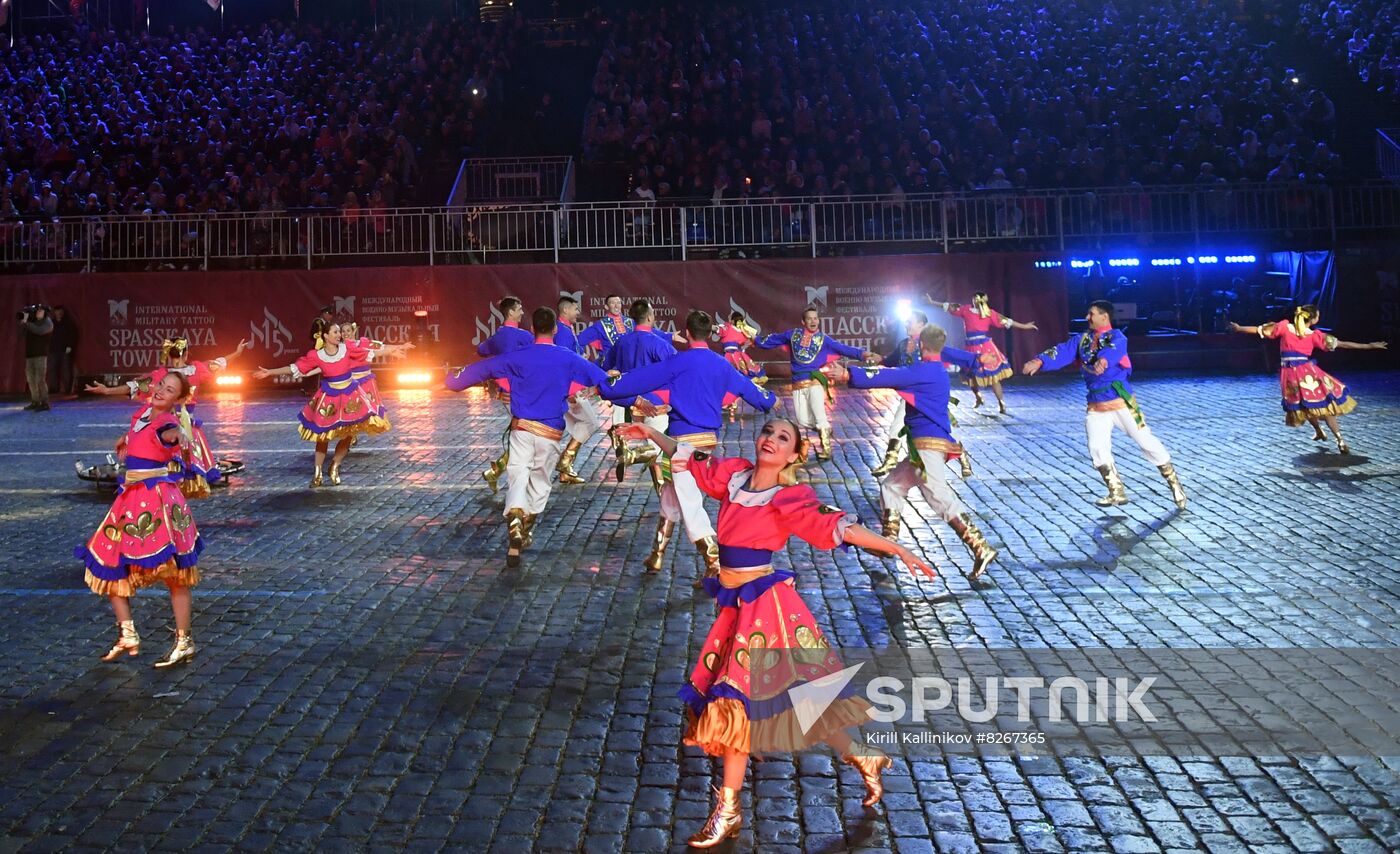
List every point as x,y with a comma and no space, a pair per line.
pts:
943,220
432,238
555,214
684,228
87,246
812,225
204,238
1060,218
310,232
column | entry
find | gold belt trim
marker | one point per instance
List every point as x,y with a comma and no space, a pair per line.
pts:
1108,405
703,441
801,384
932,443
340,385
732,578
525,425
146,474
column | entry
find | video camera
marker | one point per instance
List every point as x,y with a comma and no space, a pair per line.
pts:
27,313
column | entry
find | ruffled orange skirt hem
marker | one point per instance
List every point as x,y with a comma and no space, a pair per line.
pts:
167,573
983,382
373,425
1299,417
724,726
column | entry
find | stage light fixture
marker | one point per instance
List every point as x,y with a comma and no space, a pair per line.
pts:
1166,262
1048,265
904,310
415,378
1123,262
1208,259
1240,259
1080,265
228,380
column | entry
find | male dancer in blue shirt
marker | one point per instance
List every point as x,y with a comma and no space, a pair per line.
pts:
541,379
581,421
508,337
924,387
644,345
1102,356
696,383
809,351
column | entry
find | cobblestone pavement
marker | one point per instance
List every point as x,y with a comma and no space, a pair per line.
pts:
370,676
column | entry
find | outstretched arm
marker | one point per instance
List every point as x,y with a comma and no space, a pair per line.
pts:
1026,327
862,537
1247,330
637,431
126,389
264,373
243,346
1352,345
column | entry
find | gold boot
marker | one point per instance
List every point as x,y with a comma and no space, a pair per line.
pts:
317,479
965,462
1178,494
724,823
824,452
495,470
1342,446
889,524
335,473
566,463
129,642
1117,495
891,459
982,552
660,541
515,535
1001,406
528,530
620,451
183,651
709,550
870,763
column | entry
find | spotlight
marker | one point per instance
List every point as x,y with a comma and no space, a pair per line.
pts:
1123,262
415,378
228,380
1208,259
904,310
1081,265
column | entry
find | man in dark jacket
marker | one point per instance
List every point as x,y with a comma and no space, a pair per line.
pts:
62,349
37,327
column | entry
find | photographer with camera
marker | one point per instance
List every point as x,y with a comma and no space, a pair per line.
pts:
37,326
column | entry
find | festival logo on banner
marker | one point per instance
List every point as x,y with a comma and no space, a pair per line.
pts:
487,328
722,316
272,335
136,332
856,314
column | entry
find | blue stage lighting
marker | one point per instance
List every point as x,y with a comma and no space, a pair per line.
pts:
1123,262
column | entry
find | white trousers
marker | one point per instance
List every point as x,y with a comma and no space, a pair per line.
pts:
932,482
809,405
894,420
1099,426
581,421
682,501
530,472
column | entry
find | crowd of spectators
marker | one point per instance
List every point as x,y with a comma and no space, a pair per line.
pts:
281,117
830,99
1364,32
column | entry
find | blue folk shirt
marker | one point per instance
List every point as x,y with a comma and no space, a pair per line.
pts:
504,340
641,347
1086,349
602,334
697,383
566,337
924,386
540,378
807,359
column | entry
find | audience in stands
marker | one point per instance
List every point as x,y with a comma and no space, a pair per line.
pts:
100,123
721,102
1366,33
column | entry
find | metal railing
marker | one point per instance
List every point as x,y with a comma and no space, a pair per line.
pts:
1255,217
502,180
1388,153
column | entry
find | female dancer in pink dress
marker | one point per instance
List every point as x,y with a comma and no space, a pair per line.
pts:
992,366
340,408
1310,394
202,467
148,536
760,610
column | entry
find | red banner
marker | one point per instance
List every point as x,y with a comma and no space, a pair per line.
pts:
123,317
